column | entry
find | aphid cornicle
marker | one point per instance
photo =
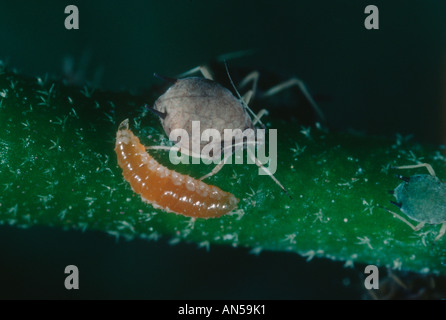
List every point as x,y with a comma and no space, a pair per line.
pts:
422,198
164,188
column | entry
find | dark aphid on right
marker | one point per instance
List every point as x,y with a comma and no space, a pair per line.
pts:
422,198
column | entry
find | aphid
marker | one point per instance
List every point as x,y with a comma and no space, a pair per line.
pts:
203,99
164,188
422,198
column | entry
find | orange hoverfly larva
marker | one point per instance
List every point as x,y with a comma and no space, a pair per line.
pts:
164,188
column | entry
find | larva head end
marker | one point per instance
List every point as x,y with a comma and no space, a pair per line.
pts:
124,125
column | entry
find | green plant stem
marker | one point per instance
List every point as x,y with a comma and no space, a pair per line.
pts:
58,168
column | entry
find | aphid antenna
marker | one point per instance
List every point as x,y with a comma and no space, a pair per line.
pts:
240,97
259,164
235,55
168,79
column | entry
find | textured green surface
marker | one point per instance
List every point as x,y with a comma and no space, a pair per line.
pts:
58,168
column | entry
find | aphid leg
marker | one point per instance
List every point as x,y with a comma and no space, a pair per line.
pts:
259,164
166,148
217,168
251,77
203,69
426,165
247,97
442,232
259,115
414,228
303,88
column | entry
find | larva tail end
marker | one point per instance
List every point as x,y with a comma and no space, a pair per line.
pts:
124,125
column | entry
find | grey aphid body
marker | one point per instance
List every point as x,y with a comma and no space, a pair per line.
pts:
423,198
215,108
198,99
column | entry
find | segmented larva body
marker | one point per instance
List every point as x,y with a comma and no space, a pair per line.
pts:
164,188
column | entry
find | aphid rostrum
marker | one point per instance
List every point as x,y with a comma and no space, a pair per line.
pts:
164,188
422,198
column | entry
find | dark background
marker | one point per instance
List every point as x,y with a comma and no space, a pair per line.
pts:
379,81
